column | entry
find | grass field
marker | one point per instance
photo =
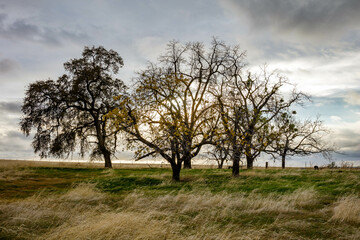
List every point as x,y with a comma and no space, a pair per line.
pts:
91,203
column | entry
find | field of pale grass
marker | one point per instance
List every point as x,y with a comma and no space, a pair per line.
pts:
80,203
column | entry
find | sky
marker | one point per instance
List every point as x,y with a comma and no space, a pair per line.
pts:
314,43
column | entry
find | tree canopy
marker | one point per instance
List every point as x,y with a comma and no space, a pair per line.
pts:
68,113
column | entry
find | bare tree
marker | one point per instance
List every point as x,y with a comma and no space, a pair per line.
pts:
300,138
247,105
171,113
220,150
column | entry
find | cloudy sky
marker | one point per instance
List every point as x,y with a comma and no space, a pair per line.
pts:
315,43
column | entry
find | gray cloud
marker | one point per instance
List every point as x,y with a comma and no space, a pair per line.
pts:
349,139
13,144
10,107
22,30
16,135
354,155
7,65
310,18
346,136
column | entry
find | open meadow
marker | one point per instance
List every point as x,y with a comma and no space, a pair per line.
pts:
96,203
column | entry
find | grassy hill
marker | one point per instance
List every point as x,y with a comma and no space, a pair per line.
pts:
90,203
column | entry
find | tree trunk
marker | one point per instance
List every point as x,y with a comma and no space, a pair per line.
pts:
107,157
220,164
249,162
187,162
176,172
100,134
283,154
236,164
283,161
236,168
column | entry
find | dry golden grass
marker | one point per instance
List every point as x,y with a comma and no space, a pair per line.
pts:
41,163
84,192
217,205
25,217
86,212
347,209
82,213
5,163
119,225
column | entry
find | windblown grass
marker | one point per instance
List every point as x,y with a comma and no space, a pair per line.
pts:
207,204
347,209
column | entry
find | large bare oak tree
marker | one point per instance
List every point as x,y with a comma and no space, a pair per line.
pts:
171,112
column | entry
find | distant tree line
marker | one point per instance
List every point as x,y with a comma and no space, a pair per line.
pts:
191,100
